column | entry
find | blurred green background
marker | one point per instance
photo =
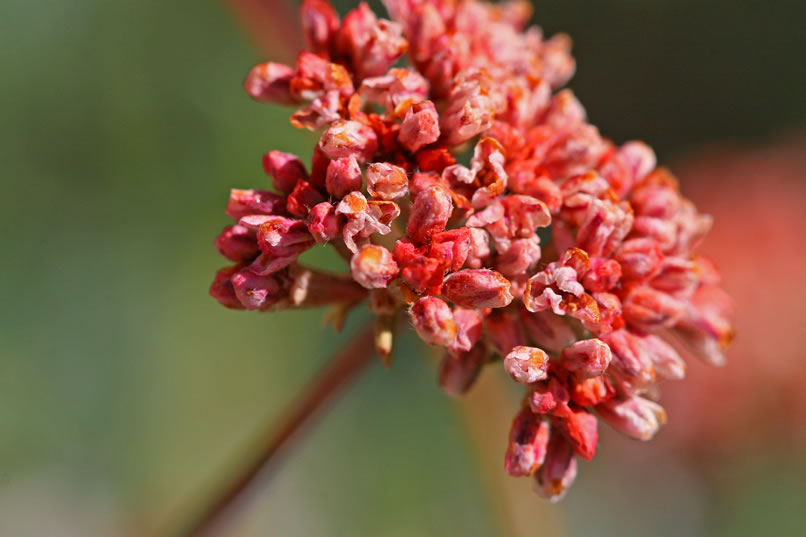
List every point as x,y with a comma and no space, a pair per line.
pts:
127,391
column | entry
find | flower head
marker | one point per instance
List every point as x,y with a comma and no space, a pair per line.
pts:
561,254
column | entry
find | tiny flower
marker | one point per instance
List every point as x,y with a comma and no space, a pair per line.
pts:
547,396
386,182
270,82
256,292
430,213
222,289
588,358
526,365
558,471
320,22
249,202
420,126
344,139
528,443
323,222
478,288
285,170
237,243
433,321
343,177
469,322
580,429
373,267
636,416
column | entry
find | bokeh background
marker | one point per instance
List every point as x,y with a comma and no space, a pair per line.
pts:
127,393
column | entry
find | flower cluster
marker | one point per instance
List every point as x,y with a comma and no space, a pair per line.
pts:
550,249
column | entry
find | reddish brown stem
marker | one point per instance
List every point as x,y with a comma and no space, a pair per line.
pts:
343,368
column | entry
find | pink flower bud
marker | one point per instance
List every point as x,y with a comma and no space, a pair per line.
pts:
469,323
603,275
386,181
316,76
580,429
459,369
257,292
452,247
320,22
636,417
587,358
237,243
478,288
558,471
526,365
420,127
528,442
365,218
631,366
396,91
282,236
479,254
429,214
347,138
343,177
433,321
247,202
668,363
222,290
591,391
270,83
521,256
466,118
323,222
285,170
546,396
373,267
648,308
303,198
640,259
373,45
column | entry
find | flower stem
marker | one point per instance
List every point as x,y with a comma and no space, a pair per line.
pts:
342,368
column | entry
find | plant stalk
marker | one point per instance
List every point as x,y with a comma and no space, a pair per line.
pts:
335,376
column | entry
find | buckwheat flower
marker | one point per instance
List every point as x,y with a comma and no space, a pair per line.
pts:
373,267
569,258
349,139
386,181
528,443
343,177
434,321
526,365
636,416
420,126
